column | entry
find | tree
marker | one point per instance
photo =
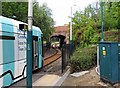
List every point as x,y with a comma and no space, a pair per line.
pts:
17,9
111,15
41,15
42,18
85,25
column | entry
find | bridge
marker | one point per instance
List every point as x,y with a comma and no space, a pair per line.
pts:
62,32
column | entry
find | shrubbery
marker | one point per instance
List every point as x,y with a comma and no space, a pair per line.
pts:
83,59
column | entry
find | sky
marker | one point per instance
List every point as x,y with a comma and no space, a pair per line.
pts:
61,9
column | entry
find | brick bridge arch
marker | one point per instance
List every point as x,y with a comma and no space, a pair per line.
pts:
62,39
62,32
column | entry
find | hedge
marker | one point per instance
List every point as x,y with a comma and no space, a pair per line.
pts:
83,59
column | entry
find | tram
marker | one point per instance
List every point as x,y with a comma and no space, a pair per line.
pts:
13,50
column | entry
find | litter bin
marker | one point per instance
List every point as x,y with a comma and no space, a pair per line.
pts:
109,61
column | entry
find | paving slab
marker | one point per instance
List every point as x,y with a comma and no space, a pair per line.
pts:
77,74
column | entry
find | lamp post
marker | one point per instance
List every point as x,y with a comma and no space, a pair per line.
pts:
71,30
29,45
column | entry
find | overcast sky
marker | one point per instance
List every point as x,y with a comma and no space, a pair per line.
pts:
61,8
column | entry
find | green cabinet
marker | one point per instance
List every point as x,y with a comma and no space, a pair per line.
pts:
109,61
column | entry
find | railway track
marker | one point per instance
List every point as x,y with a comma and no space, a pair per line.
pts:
52,58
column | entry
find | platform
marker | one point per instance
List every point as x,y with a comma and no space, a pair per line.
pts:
51,80
47,80
46,77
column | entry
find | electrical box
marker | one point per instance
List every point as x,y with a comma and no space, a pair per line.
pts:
109,61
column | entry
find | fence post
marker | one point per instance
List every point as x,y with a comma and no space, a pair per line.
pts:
63,57
67,52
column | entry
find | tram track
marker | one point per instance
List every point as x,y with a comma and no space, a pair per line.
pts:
48,60
52,58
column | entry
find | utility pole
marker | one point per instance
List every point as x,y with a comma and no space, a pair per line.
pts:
29,45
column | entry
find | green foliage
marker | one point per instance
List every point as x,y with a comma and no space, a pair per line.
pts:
83,59
111,15
111,35
41,15
87,24
18,9
42,18
88,34
96,38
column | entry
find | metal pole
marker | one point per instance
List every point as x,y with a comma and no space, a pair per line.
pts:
71,31
102,20
29,45
119,22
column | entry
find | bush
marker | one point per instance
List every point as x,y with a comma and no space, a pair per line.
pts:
96,38
83,59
